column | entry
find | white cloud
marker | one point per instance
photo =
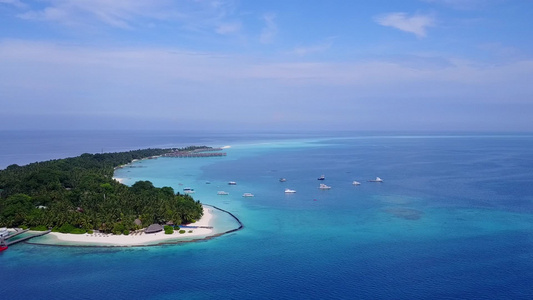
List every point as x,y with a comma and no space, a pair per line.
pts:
416,24
228,28
463,4
52,66
305,50
270,30
167,83
16,3
117,13
191,15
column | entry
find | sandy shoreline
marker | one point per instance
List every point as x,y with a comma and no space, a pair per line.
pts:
121,180
140,238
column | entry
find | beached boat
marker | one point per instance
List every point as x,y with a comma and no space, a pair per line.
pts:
247,195
222,193
356,182
4,232
322,177
289,191
282,180
324,187
232,183
376,180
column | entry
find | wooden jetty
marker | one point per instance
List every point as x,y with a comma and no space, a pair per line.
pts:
202,152
9,243
17,232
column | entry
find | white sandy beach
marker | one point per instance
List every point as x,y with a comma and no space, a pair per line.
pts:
121,180
140,238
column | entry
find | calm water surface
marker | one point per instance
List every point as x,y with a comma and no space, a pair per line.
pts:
453,219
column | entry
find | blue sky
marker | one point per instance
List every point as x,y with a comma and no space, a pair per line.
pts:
447,65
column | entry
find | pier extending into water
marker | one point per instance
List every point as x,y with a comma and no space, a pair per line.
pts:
9,243
202,152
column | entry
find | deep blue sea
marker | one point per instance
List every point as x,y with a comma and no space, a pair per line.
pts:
453,219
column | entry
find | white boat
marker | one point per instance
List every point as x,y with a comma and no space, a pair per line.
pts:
188,190
222,193
282,180
356,182
324,187
4,232
289,191
376,180
322,177
247,195
232,183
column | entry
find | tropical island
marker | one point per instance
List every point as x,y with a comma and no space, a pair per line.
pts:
79,196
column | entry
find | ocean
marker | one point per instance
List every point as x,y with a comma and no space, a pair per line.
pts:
452,219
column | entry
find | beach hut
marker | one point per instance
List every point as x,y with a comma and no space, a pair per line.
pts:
153,228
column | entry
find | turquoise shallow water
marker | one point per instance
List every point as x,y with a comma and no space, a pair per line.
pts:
452,220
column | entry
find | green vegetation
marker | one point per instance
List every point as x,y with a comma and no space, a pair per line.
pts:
169,229
67,228
182,231
193,148
39,228
78,194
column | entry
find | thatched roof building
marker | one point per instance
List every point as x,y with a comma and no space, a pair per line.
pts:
153,228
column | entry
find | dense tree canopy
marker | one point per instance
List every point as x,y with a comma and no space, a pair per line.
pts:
80,193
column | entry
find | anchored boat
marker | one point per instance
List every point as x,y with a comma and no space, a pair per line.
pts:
188,190
324,187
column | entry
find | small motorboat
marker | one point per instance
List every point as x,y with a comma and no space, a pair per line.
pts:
289,191
356,182
376,180
188,190
324,187
282,180
222,193
232,183
247,195
322,177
